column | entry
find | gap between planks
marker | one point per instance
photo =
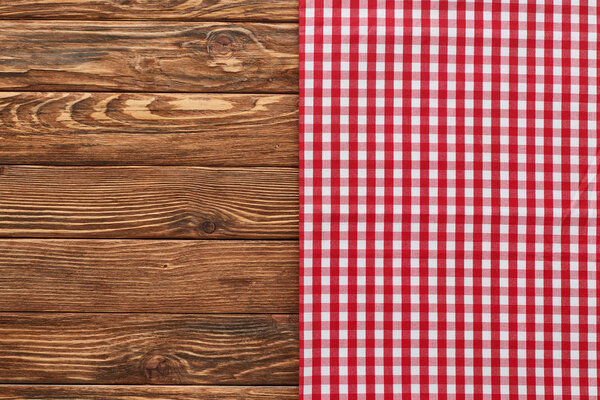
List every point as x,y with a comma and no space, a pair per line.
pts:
168,239
117,91
162,20
137,392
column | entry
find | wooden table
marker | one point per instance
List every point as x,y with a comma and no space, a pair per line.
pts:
148,199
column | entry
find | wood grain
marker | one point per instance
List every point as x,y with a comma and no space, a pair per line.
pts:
148,202
119,392
149,348
148,129
149,276
231,10
145,56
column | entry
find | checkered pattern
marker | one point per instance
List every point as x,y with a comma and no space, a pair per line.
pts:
449,155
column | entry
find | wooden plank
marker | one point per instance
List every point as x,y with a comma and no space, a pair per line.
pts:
148,202
230,10
148,129
119,392
134,349
145,56
149,276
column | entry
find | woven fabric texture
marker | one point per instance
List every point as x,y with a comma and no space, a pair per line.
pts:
449,199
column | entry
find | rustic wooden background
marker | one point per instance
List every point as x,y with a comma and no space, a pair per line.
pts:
149,199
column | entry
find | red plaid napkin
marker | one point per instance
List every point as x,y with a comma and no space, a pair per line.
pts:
449,197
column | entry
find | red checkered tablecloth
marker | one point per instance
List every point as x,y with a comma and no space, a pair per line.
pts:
449,199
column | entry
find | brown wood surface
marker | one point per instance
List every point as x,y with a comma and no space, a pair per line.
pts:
127,126
149,348
149,276
148,129
119,392
148,202
231,10
146,56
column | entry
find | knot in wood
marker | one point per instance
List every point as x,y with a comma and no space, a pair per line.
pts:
147,65
222,44
209,227
157,367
